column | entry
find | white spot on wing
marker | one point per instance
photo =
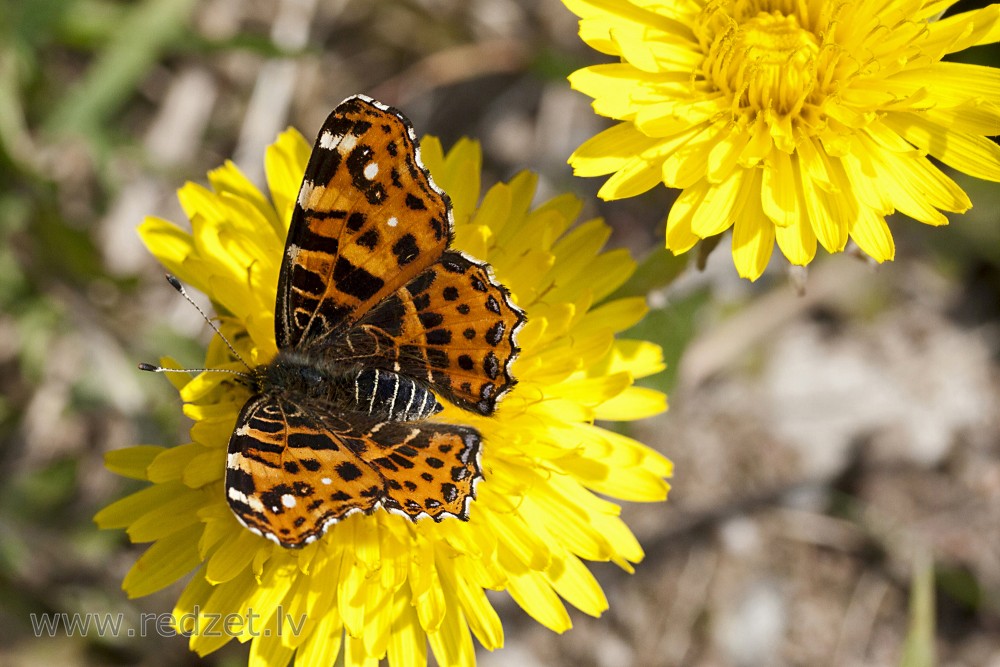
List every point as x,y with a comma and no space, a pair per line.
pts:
326,480
288,500
347,144
305,192
251,501
392,221
371,170
328,139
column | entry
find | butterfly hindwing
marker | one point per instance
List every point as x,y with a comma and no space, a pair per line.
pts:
367,220
453,327
430,469
289,475
295,469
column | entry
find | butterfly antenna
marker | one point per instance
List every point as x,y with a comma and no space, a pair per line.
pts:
152,368
176,284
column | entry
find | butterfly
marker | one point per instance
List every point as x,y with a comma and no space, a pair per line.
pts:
376,317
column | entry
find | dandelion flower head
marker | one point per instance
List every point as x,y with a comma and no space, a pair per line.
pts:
380,586
789,121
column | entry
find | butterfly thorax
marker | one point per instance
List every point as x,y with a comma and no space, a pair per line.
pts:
309,379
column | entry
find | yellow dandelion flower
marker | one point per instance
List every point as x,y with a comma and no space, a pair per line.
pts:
381,586
793,122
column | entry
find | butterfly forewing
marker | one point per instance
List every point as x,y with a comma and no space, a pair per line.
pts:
367,220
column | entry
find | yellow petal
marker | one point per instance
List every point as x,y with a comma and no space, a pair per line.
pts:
323,645
532,592
715,213
680,235
407,641
632,403
132,461
166,517
797,242
577,585
284,163
753,239
267,650
779,194
609,151
166,561
973,154
635,176
872,235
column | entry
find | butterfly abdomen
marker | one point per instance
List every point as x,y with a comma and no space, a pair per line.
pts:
389,396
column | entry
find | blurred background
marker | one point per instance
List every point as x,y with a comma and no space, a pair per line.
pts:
835,432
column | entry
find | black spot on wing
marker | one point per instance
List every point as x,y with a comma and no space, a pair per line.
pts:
406,249
356,221
348,471
430,320
453,263
307,282
314,441
241,480
369,239
420,284
495,333
355,281
414,202
439,337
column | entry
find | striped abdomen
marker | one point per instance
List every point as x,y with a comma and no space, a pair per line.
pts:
388,396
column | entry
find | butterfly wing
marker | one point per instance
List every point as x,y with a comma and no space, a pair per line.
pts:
430,469
289,475
295,469
368,219
453,327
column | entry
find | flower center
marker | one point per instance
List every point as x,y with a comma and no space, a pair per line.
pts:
765,60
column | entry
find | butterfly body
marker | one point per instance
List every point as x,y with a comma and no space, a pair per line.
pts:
375,318
344,390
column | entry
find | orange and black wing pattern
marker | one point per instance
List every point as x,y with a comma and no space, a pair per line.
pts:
453,327
373,311
368,219
294,469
